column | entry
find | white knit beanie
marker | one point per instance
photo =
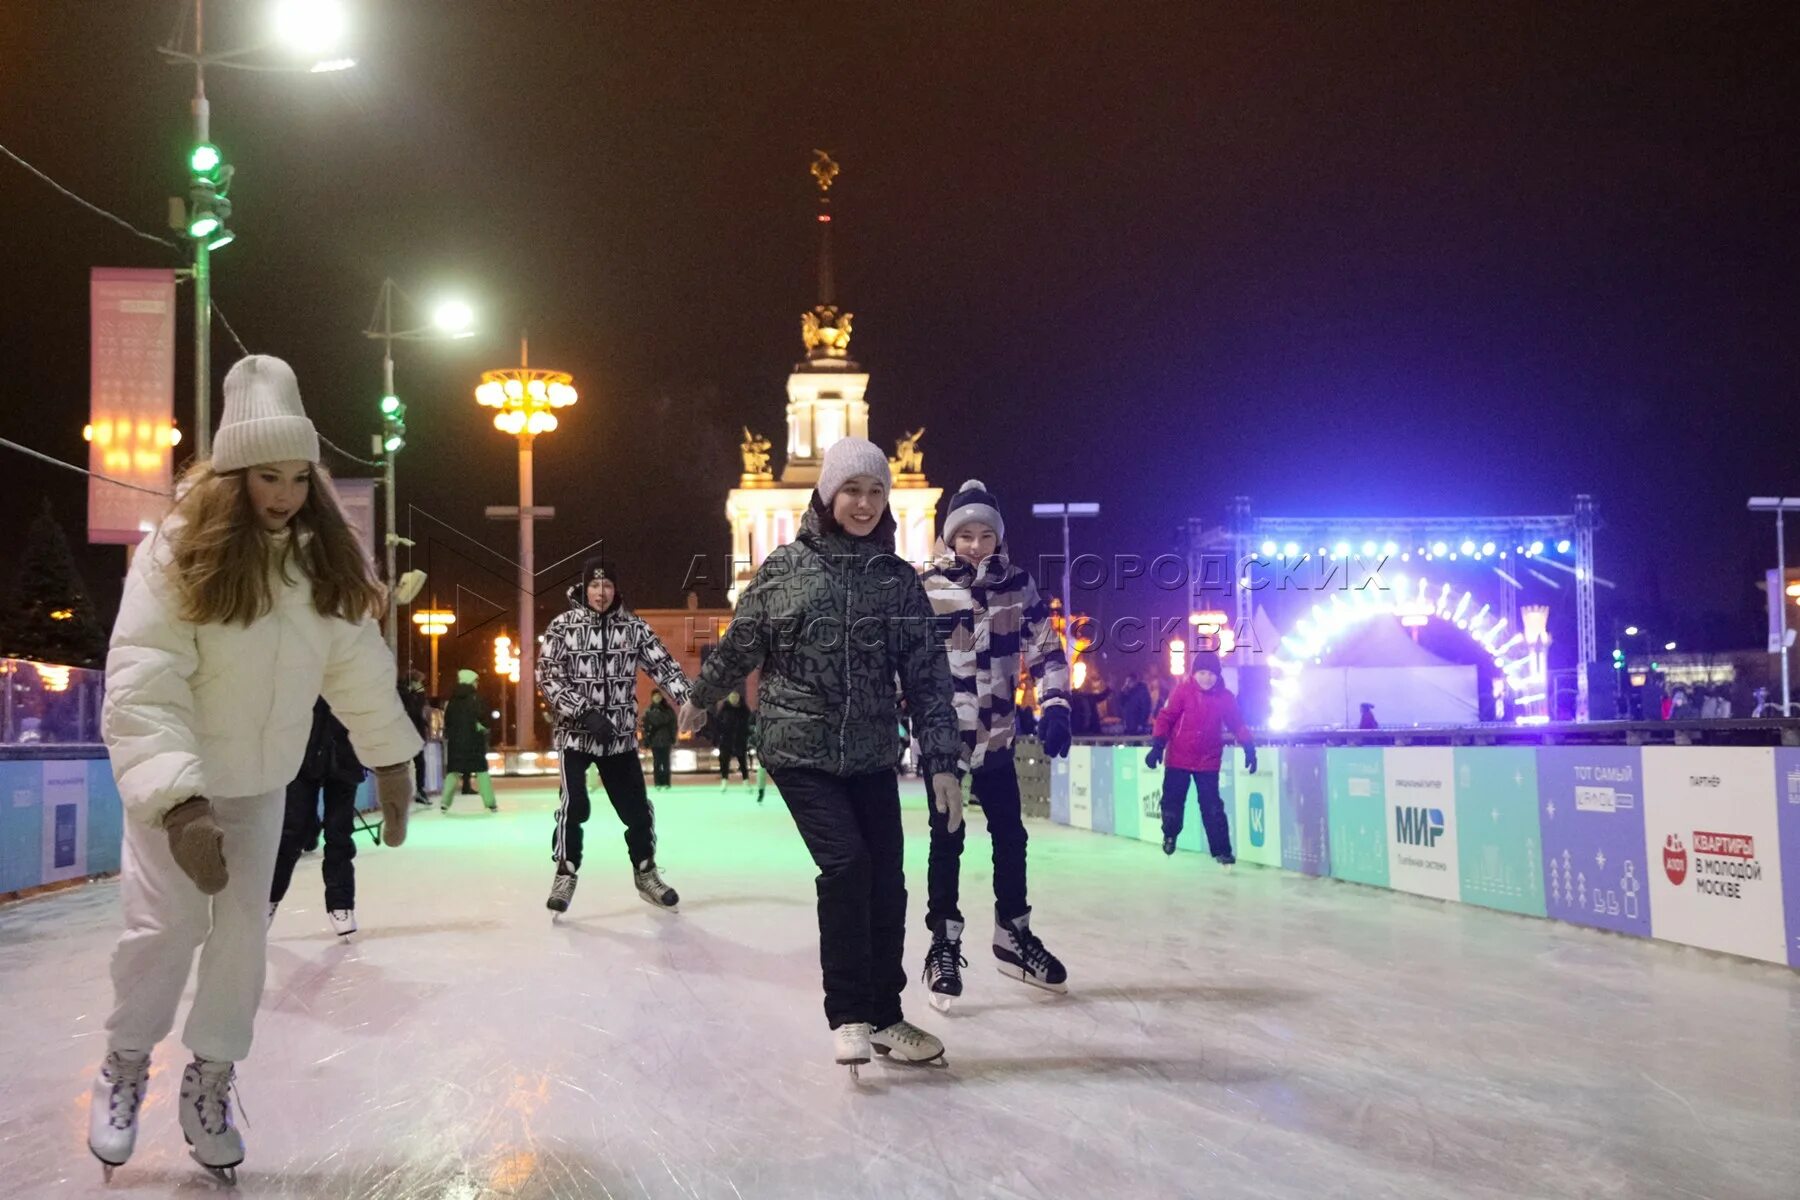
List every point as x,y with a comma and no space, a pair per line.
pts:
847,458
264,421
973,504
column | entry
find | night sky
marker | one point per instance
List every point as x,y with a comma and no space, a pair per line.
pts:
1343,258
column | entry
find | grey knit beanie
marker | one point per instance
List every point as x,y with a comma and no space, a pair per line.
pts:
973,504
264,421
845,460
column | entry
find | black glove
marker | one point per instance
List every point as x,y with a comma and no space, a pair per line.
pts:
596,724
1250,759
1053,731
1154,759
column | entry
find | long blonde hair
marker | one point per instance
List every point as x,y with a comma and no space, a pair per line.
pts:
222,564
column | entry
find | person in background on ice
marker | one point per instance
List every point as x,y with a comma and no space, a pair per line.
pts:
1134,706
1190,731
990,616
331,772
1368,720
417,705
731,734
658,728
250,600
466,743
830,619
587,669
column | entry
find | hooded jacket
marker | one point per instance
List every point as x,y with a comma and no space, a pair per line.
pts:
1193,722
660,726
225,710
465,734
827,701
990,617
589,660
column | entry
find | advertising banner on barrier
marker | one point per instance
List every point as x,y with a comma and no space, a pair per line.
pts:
65,835
1149,794
1257,801
1305,833
1421,831
1059,789
1100,789
1591,812
1081,787
1787,816
1499,839
1356,806
1126,763
1710,831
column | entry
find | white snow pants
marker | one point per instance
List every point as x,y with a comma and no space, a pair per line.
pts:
167,918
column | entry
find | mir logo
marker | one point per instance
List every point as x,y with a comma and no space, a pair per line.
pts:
1418,826
1259,819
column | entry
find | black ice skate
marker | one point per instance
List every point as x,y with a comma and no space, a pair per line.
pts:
652,889
562,889
1168,845
944,963
1023,957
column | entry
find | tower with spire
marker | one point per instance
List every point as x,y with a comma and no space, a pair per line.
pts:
825,402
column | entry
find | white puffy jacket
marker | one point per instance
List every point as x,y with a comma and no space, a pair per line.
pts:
224,710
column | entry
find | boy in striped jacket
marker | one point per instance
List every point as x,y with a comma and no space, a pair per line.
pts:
989,616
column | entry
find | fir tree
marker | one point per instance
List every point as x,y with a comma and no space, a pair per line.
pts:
48,614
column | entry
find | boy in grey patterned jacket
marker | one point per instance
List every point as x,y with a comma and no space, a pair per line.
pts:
587,666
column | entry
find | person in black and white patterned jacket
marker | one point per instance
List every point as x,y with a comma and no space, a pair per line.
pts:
587,666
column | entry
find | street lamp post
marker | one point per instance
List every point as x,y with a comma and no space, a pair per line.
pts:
309,26
1780,506
525,398
1064,512
452,320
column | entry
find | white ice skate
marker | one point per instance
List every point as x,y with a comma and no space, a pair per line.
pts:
113,1108
852,1044
343,921
206,1118
944,963
653,890
907,1043
1023,957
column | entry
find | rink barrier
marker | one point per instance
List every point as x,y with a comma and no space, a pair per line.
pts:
1698,845
60,817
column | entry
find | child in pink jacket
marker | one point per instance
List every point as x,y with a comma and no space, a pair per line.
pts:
1190,731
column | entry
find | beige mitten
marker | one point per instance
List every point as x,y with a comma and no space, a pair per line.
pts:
198,844
394,792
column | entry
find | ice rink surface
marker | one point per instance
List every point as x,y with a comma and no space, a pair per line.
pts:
1252,1034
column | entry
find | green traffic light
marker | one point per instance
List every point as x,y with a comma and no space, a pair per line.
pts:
203,225
390,405
393,443
205,159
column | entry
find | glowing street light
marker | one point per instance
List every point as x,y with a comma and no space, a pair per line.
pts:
309,27
434,623
525,399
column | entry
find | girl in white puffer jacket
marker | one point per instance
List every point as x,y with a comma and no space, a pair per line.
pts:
250,601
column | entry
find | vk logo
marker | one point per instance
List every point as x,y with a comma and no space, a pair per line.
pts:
1418,826
1259,819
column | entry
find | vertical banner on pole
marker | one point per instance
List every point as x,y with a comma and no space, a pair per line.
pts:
131,401
1499,836
1710,831
357,498
1356,804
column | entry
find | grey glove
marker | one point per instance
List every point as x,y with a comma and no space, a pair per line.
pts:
198,844
946,796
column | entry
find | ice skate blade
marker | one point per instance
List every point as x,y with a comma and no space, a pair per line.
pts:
1018,973
942,1002
888,1056
658,905
226,1175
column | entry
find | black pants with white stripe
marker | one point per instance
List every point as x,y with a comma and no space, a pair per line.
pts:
623,778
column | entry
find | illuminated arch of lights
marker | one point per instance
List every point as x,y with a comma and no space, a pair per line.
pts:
1415,603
